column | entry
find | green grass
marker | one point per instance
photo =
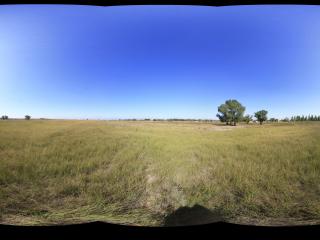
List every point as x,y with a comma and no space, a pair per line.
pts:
55,172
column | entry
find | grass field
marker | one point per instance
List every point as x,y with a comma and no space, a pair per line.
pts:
140,173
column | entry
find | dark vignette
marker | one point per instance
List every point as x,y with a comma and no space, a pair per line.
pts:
101,230
218,230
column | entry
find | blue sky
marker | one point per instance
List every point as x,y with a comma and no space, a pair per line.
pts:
158,61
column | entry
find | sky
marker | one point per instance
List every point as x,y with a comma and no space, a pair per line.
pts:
68,61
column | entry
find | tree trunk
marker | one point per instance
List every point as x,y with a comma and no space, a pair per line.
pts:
260,122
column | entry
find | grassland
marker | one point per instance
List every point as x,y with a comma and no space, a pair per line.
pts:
56,172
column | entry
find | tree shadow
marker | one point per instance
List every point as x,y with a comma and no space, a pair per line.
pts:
196,215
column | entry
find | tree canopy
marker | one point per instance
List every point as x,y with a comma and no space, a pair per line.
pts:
261,116
231,112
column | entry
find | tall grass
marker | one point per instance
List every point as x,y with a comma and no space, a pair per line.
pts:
139,172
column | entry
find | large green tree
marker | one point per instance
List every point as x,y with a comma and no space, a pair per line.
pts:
261,116
231,112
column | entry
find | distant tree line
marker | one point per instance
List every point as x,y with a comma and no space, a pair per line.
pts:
273,120
305,118
189,119
168,119
5,117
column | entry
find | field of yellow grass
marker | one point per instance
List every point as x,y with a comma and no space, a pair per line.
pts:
139,172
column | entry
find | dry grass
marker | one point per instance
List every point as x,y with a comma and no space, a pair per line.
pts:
55,172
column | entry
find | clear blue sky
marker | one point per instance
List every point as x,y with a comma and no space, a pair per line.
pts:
158,61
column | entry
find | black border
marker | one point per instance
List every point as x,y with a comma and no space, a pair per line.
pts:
220,230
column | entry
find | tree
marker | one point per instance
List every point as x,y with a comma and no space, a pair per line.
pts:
231,112
4,117
286,119
261,116
276,120
27,117
247,118
223,116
